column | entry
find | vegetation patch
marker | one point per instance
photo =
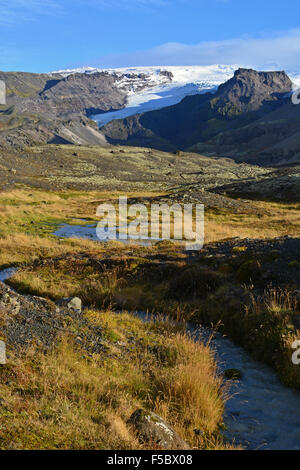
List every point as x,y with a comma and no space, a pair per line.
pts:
68,398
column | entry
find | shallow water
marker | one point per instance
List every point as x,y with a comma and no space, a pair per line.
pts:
88,232
7,273
261,413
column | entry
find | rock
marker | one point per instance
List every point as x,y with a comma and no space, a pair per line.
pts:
152,429
233,374
71,303
75,304
10,302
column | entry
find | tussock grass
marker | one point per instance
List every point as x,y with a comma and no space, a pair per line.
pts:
271,319
66,399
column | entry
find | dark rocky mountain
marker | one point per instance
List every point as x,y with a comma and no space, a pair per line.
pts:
81,93
249,118
55,108
44,108
57,95
251,91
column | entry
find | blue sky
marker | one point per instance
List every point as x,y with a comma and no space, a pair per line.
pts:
45,35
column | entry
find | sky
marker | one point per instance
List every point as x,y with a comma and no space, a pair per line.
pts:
47,35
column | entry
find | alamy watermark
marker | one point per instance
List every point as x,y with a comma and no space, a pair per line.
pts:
296,354
177,222
2,353
296,96
2,92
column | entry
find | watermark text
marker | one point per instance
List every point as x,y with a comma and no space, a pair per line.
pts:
177,222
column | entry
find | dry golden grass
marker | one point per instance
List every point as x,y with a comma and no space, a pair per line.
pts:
65,399
273,220
29,216
192,385
20,248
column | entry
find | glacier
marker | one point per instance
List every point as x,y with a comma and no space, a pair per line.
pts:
149,88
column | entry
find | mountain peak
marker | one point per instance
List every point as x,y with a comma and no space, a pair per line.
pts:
248,90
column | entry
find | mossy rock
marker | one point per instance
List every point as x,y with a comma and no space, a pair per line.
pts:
233,374
153,430
239,249
294,264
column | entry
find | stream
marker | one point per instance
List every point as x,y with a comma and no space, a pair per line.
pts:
261,413
7,273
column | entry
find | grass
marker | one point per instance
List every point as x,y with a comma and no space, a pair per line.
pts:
272,220
66,399
235,296
30,216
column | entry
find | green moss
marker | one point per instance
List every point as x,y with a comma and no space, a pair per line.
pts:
239,249
294,264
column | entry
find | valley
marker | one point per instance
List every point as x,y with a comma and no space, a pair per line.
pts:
102,337
162,279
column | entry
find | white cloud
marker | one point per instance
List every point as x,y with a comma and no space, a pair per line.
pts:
280,51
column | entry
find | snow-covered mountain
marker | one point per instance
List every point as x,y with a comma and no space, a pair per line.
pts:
150,88
156,75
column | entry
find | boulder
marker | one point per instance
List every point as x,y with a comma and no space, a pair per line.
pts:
73,303
2,353
10,302
153,430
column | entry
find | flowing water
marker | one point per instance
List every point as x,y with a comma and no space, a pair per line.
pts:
261,413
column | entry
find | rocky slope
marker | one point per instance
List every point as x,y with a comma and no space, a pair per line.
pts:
47,108
249,118
187,176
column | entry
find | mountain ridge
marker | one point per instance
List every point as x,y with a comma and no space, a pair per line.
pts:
249,117
201,123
